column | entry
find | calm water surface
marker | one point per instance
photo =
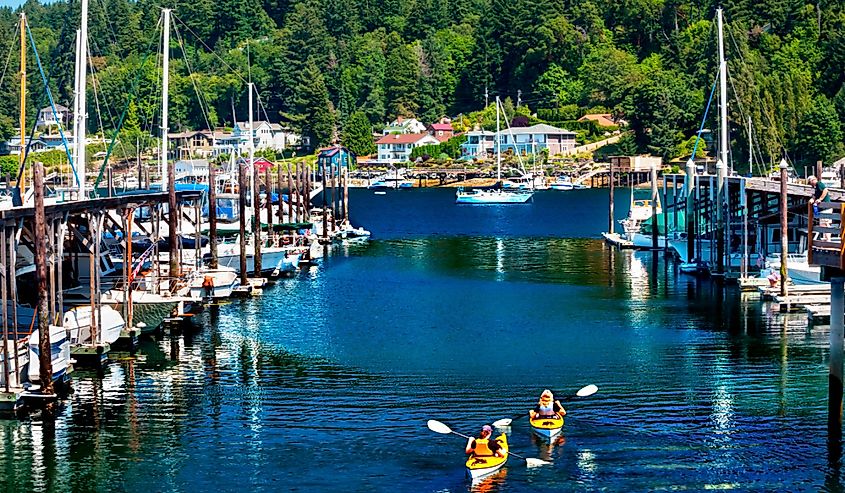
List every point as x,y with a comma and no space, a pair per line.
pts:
462,314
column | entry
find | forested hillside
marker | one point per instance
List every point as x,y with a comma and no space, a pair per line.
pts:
316,63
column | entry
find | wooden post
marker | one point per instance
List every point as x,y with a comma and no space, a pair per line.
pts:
45,355
665,212
256,222
325,206
295,193
654,196
279,192
110,181
743,197
306,205
172,221
346,195
268,193
819,169
837,334
7,371
842,175
290,196
242,219
212,216
127,268
611,221
784,232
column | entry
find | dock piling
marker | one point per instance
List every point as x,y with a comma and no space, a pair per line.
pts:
837,334
212,216
655,227
256,223
784,236
242,220
610,216
40,240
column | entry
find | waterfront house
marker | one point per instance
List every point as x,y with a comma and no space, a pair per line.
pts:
396,148
527,140
41,143
47,118
635,164
403,125
191,170
441,131
266,136
479,144
192,144
337,156
601,119
37,145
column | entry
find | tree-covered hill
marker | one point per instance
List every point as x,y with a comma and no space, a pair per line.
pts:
316,63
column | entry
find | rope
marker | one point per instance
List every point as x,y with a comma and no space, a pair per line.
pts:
704,119
49,95
203,104
238,74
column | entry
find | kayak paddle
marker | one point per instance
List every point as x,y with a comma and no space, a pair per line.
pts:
442,428
583,392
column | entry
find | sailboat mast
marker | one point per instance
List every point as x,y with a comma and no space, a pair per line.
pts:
75,181
498,145
81,116
22,185
723,95
165,89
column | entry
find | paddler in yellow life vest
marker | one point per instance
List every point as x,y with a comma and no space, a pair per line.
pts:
484,446
547,407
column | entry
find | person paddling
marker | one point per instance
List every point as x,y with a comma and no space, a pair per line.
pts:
547,407
484,446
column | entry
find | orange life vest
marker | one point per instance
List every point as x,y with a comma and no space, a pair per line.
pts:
208,282
482,447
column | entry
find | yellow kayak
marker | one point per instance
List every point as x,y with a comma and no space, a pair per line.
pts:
481,466
548,427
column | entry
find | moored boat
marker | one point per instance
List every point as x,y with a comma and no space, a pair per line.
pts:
547,427
479,466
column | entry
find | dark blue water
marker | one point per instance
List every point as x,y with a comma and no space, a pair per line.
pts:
462,314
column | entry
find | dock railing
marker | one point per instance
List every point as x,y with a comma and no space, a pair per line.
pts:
826,230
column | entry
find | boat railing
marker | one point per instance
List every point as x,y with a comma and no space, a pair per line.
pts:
825,232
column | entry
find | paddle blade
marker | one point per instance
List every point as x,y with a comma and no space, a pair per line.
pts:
438,427
531,462
502,423
588,390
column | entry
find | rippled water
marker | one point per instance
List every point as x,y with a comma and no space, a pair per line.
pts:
462,314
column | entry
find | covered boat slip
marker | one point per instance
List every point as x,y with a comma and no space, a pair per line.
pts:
82,225
729,240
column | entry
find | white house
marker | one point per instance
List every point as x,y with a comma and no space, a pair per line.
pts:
47,118
191,170
403,125
527,140
396,148
267,136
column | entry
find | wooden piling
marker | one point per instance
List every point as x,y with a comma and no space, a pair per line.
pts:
268,193
7,370
325,205
279,192
172,221
784,232
212,216
242,220
256,223
611,222
346,195
296,192
664,210
290,196
743,197
40,232
837,334
654,225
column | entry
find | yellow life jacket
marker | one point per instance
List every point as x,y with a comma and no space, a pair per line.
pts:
482,447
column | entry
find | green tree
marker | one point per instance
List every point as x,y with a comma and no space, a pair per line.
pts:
819,133
358,135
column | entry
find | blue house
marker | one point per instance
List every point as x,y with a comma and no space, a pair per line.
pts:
337,156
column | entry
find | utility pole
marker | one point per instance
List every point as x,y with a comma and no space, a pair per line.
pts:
518,97
486,98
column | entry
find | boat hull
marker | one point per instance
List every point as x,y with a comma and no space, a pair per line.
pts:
493,197
547,427
480,467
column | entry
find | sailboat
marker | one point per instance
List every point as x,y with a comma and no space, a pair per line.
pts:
499,194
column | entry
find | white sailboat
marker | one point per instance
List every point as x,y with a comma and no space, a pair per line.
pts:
495,195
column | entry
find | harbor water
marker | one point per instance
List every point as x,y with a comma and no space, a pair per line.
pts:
462,314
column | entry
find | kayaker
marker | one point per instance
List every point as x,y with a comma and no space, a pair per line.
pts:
547,406
484,446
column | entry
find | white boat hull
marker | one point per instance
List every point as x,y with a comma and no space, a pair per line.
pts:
547,433
59,348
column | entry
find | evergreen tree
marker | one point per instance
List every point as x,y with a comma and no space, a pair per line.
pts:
314,112
358,134
820,133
